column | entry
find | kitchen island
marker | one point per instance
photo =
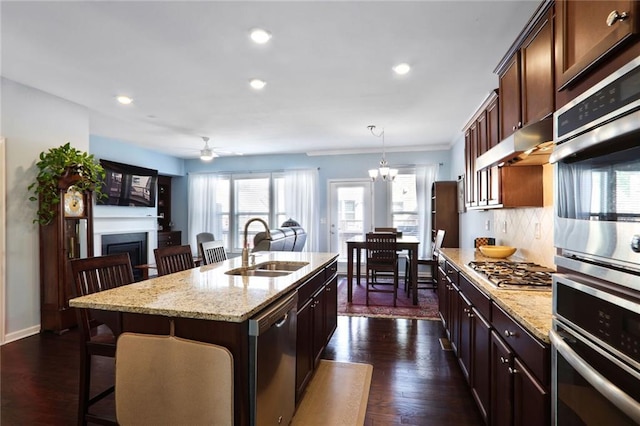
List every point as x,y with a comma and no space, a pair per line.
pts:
207,304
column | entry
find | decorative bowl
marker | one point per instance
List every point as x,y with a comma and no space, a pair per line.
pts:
499,252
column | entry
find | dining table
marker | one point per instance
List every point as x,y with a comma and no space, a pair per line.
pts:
358,243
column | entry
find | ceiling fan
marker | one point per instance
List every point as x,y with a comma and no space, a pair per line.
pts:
208,154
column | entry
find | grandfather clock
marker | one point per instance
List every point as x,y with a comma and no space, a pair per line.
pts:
68,236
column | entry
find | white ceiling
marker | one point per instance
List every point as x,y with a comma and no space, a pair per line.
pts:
328,69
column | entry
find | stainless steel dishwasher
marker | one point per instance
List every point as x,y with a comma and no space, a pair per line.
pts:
272,378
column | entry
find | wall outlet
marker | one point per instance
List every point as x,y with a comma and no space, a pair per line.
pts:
504,226
536,230
487,224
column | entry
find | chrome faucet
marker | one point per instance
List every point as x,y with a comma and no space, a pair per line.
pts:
245,246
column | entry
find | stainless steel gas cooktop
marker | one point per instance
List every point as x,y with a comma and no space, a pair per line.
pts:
515,275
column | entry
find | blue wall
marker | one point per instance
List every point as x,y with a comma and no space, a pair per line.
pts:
331,167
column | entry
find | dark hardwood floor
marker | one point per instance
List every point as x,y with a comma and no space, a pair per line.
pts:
414,381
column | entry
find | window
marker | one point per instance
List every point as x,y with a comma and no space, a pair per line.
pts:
241,197
404,203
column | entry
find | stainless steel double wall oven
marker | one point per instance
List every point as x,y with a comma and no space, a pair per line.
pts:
596,293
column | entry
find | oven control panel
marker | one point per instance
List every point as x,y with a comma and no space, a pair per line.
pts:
607,317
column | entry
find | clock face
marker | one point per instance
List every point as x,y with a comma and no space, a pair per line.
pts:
73,203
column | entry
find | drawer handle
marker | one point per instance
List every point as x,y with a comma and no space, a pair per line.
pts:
503,360
508,333
513,370
615,16
466,310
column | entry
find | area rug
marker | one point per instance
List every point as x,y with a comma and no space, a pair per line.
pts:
381,304
337,395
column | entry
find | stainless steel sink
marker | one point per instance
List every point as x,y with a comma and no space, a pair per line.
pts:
274,268
252,272
279,265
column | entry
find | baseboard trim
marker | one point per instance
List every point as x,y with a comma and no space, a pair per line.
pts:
21,334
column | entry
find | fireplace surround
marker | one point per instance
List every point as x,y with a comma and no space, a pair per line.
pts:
134,243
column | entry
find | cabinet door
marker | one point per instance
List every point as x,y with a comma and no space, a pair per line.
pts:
331,308
304,347
481,363
531,401
470,169
509,94
538,94
501,382
583,36
443,297
493,123
464,346
454,317
319,335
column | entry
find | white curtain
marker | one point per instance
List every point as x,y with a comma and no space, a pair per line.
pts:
203,214
301,203
425,176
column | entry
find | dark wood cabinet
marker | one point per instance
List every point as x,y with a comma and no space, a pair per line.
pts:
508,370
169,238
588,32
444,212
526,75
510,98
68,236
164,204
537,72
317,321
471,186
501,382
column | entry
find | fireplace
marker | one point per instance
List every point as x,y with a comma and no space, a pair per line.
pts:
133,243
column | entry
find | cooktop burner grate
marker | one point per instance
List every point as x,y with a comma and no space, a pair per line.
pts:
515,275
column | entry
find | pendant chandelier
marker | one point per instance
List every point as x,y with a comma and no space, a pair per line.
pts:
384,171
206,154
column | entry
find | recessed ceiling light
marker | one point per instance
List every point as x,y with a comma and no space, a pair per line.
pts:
402,69
124,100
257,83
260,36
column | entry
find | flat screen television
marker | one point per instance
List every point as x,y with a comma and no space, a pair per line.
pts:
127,185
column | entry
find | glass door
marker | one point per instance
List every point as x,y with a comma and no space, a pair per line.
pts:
351,213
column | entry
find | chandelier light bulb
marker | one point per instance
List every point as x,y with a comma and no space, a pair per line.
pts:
402,69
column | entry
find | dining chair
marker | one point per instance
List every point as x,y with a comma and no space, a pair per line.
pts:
203,237
381,257
173,259
213,252
98,329
430,280
172,380
403,255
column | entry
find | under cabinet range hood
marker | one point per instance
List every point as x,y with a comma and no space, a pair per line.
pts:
531,145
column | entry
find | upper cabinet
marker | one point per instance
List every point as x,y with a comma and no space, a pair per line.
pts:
526,76
587,31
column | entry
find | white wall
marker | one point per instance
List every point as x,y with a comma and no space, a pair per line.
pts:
31,121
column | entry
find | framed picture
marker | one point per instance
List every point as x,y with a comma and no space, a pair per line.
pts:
461,205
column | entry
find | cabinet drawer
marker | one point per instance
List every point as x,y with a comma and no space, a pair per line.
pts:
533,352
477,298
172,238
451,272
309,287
330,271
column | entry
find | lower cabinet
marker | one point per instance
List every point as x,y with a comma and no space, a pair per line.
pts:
317,320
507,368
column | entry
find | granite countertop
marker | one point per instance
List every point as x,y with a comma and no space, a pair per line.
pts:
531,308
207,292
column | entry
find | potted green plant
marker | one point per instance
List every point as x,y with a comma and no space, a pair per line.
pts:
67,164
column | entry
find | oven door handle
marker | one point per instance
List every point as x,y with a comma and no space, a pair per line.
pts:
611,392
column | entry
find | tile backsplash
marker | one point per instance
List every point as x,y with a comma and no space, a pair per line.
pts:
528,229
